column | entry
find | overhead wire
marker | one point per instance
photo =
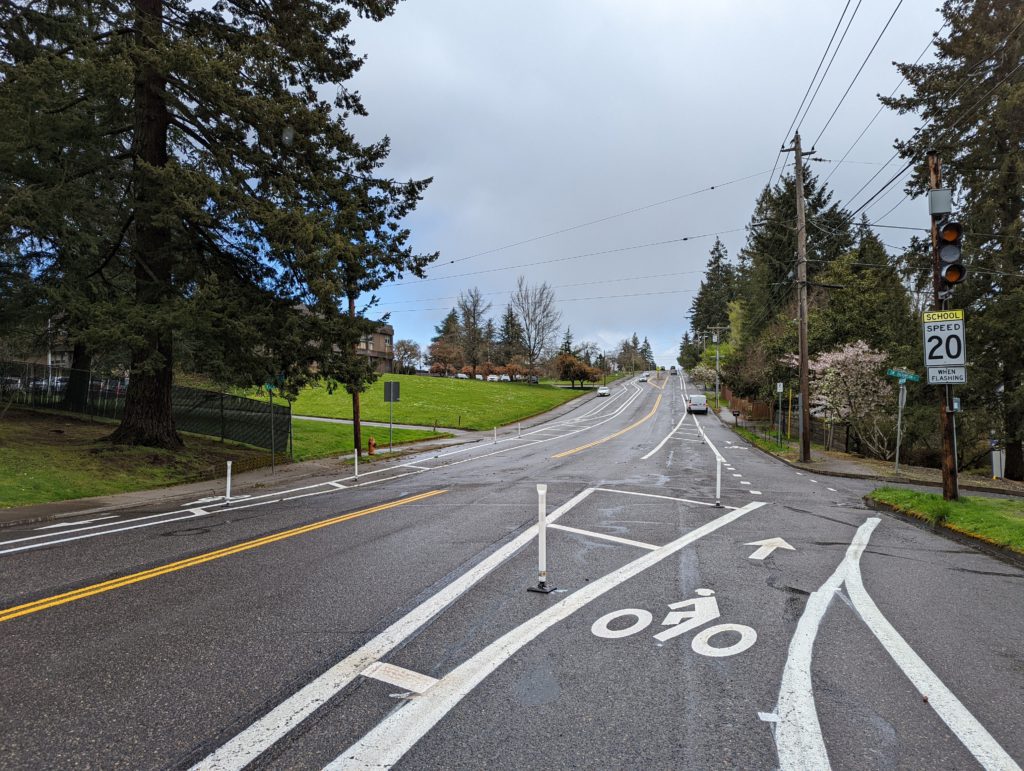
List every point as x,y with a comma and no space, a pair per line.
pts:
857,74
811,84
599,220
567,259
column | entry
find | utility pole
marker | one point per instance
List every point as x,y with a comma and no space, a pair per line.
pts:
801,285
716,337
950,483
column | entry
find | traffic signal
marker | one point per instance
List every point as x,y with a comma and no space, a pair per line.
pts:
952,269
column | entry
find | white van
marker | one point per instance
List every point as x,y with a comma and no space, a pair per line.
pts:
697,403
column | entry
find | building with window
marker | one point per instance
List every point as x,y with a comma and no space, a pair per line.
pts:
380,347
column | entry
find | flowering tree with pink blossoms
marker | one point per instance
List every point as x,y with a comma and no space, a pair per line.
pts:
849,384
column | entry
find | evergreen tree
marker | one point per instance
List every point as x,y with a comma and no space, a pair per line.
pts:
510,337
567,346
971,104
646,354
472,321
207,126
449,329
717,289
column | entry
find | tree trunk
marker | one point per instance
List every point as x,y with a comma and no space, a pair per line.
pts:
76,397
147,418
357,437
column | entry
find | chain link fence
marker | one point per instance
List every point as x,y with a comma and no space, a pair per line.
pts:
210,413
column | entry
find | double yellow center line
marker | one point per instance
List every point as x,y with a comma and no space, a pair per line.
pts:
596,442
145,575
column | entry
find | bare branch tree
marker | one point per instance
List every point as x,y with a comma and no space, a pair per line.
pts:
535,307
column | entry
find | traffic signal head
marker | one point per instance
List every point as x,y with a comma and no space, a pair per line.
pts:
950,236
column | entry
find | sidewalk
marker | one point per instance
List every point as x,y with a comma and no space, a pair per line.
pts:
258,480
839,464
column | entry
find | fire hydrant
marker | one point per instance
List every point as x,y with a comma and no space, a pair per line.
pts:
371,446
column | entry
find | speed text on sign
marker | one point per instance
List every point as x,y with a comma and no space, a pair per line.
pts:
944,339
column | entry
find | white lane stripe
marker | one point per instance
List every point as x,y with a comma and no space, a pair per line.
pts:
72,524
396,734
265,732
831,489
954,714
755,492
798,736
605,536
669,436
92,527
252,501
43,545
399,676
662,497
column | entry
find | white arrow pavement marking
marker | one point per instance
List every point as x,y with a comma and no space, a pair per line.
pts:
768,545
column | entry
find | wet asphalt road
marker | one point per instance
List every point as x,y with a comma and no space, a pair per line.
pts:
384,621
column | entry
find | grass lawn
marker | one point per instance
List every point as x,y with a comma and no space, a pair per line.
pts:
998,521
313,439
428,401
48,457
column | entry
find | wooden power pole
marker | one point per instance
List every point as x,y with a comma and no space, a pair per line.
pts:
801,286
950,483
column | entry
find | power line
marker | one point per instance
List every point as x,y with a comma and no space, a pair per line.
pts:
607,218
566,259
559,286
571,299
813,78
964,82
880,109
857,75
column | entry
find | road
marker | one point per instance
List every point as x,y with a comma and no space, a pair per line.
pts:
384,621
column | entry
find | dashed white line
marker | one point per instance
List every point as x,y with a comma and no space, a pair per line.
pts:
79,522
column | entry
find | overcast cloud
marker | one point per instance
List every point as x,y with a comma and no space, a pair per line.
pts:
533,117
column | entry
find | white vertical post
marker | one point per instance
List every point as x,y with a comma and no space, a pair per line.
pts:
519,430
356,457
718,480
542,543
227,493
495,435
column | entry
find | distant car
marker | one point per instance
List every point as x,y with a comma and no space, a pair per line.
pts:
462,376
673,371
604,391
479,377
534,379
697,403
492,378
505,379
642,379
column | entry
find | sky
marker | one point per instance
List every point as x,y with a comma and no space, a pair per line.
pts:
575,142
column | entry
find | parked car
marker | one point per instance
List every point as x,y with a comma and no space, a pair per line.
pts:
604,391
505,379
479,377
492,378
534,379
462,376
697,403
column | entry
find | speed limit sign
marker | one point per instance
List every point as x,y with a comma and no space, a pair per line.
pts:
944,339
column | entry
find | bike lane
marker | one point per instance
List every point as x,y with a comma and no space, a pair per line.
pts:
569,696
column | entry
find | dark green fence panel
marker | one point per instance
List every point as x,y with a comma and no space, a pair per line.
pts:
210,413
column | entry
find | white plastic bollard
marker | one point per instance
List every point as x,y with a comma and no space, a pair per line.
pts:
495,435
227,493
355,455
519,430
542,543
718,480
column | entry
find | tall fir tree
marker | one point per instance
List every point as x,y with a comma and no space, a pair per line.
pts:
208,125
710,306
970,100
